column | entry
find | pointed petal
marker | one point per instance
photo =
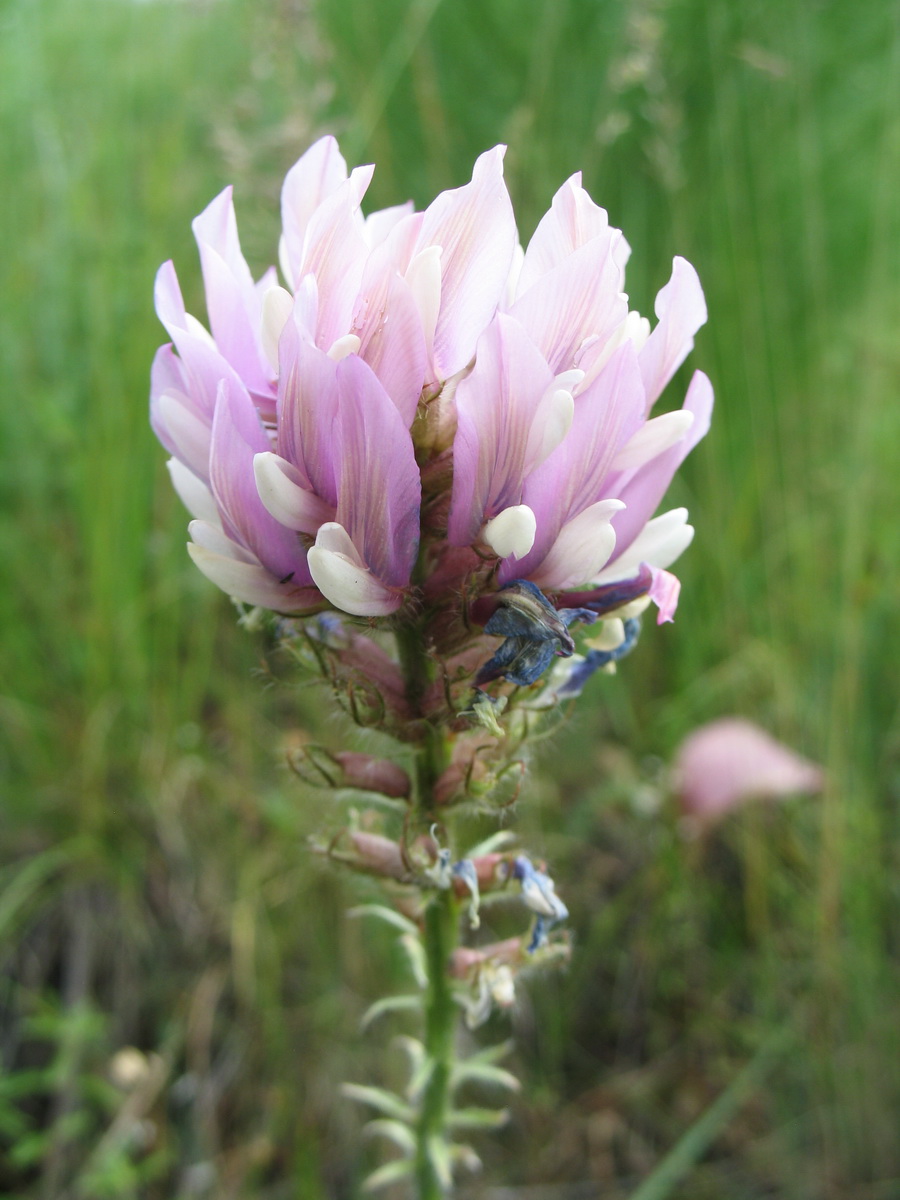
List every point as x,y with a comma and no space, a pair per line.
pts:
574,476
572,221
234,306
659,544
653,438
251,583
335,252
344,580
496,406
379,487
643,490
664,594
237,437
581,298
308,404
681,310
193,492
584,544
281,490
475,227
312,179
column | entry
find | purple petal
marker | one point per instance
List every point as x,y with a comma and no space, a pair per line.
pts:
307,412
235,308
476,230
392,341
496,406
664,593
236,437
335,252
578,300
573,477
202,364
681,310
312,179
379,488
573,221
643,489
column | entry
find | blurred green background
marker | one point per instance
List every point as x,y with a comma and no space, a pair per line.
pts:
157,892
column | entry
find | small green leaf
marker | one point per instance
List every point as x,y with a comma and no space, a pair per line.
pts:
392,1172
439,1156
497,841
482,1072
395,1131
381,1100
390,1004
385,914
478,1118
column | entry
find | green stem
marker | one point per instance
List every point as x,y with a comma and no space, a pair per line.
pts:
440,937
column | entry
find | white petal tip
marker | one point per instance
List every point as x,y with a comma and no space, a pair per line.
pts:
511,532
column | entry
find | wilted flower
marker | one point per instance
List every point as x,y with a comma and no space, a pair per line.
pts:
424,354
722,765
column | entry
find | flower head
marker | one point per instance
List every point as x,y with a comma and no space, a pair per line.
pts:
421,413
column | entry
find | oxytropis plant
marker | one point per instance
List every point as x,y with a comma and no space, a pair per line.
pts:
430,454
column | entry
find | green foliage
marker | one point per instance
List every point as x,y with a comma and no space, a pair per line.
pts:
156,890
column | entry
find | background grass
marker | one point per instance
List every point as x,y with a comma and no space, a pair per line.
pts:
156,887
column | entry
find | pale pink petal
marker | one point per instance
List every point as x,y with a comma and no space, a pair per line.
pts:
664,592
237,437
232,300
577,300
379,224
580,550
572,221
379,488
392,340
193,492
642,489
659,544
476,230
310,181
251,583
343,578
335,252
723,765
496,406
574,475
681,310
307,412
280,487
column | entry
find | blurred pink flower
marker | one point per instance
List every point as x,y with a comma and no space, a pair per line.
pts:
296,422
722,765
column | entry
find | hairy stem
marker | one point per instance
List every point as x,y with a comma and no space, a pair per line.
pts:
440,937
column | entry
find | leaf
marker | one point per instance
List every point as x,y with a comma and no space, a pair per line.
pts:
478,1118
392,1172
395,1131
390,1004
482,1072
385,914
381,1100
497,841
439,1155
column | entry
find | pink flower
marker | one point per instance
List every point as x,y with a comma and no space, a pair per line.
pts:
411,346
722,765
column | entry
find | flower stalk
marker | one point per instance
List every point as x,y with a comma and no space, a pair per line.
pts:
430,453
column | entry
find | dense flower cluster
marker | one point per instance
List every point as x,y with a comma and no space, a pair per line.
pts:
426,414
